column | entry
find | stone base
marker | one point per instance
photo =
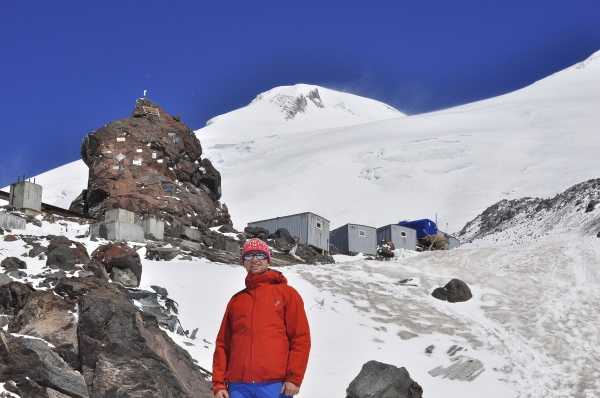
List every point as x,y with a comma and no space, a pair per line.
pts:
10,221
117,231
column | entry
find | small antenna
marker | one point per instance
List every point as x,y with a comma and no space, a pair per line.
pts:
145,92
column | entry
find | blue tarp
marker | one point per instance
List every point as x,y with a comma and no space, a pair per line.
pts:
423,227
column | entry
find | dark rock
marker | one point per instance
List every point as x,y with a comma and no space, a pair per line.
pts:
1,231
79,204
13,297
36,250
591,206
151,163
440,293
52,318
256,232
311,255
227,228
12,263
10,238
124,353
225,243
429,349
161,291
161,253
118,257
34,359
65,254
166,316
380,380
4,280
17,274
598,235
455,291
458,291
282,240
34,221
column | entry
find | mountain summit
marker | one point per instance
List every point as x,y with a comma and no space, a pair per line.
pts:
303,107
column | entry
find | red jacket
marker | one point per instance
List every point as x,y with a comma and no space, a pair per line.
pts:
264,335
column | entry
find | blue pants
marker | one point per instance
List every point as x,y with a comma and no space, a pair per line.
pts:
256,390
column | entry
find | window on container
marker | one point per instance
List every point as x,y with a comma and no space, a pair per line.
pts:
403,234
362,233
319,226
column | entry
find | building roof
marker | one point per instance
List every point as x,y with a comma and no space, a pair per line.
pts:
290,215
358,225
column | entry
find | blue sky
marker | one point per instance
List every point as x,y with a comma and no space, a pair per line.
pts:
68,67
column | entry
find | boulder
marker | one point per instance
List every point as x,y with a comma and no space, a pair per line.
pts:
256,232
151,164
148,302
380,380
282,240
52,318
65,254
23,358
12,264
161,253
454,291
117,258
10,238
227,229
13,297
591,206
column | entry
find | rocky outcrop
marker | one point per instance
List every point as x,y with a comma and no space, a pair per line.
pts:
150,163
455,291
380,380
65,254
530,218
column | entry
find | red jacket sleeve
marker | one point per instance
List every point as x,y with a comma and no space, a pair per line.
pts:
298,334
221,354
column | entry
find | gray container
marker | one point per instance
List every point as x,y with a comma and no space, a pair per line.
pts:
353,239
402,237
309,228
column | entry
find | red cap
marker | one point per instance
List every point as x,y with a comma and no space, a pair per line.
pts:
256,245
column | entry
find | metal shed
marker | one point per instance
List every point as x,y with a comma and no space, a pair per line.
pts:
354,238
402,237
310,228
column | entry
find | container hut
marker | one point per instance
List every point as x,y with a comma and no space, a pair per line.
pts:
353,239
402,237
309,228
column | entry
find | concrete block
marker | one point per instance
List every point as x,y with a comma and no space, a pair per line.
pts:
191,234
26,195
154,228
119,215
10,221
117,231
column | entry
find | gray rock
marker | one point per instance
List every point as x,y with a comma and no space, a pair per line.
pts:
13,263
161,253
454,291
4,280
34,359
380,380
256,232
124,276
161,291
17,274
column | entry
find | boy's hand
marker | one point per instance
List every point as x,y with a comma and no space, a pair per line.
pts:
289,389
222,394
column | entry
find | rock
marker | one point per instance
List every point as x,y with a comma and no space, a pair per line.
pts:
440,294
122,257
455,291
12,264
149,304
13,297
10,238
124,276
462,368
34,359
458,291
283,240
124,353
4,280
380,380
161,291
36,250
150,163
256,232
598,235
1,231
429,349
52,318
225,243
79,204
311,255
161,253
65,254
227,229
33,220
592,206
193,334
17,274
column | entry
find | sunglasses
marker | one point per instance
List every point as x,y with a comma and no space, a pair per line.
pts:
258,256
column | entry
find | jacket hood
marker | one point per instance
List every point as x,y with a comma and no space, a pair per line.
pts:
268,277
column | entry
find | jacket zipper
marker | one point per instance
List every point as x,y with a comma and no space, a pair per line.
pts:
253,295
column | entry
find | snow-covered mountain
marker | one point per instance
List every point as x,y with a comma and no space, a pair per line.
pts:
536,141
301,107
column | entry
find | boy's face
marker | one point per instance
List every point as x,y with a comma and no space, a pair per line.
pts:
255,262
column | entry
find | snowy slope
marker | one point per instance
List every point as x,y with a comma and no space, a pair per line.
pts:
531,322
533,142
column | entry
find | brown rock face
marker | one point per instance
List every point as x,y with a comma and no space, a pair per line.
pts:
150,163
